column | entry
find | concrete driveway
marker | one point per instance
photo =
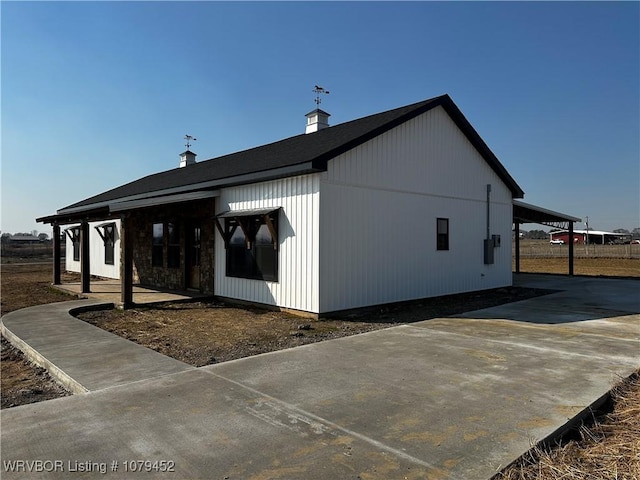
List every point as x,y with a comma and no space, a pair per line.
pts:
449,398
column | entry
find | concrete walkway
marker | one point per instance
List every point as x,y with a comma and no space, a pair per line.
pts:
82,357
448,398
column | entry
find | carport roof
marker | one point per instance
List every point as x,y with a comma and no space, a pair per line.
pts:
526,213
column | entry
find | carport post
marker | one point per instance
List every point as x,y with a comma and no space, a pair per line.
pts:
85,266
517,241
56,254
570,248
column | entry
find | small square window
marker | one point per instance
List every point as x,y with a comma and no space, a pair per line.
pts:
442,227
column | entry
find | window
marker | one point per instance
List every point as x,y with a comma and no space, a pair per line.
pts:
252,249
442,234
157,252
74,235
173,251
109,240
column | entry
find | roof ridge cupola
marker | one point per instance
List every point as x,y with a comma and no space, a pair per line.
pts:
187,157
317,119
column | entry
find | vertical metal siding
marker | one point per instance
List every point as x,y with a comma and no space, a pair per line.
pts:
96,253
379,204
297,285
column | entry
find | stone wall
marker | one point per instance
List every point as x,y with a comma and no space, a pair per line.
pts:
182,214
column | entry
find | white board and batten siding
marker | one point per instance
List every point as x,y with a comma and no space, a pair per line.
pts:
297,286
379,205
96,253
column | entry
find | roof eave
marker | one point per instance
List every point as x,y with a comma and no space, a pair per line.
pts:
71,215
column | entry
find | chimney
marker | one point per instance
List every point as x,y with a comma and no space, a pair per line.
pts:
317,120
187,158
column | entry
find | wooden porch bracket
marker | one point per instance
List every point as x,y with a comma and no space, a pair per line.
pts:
221,231
272,231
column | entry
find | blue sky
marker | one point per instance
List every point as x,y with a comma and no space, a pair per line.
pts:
97,94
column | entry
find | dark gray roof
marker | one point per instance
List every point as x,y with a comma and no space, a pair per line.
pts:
313,150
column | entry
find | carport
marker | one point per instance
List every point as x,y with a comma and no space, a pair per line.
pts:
526,213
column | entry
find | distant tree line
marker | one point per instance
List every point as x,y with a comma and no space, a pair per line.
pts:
6,237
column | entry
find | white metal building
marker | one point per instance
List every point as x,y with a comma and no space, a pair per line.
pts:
401,205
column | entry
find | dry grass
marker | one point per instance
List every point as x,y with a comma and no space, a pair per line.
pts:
617,267
607,450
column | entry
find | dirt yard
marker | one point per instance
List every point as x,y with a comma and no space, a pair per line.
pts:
205,333
25,285
22,382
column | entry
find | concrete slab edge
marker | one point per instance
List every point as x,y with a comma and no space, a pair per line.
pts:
68,291
37,358
73,311
554,438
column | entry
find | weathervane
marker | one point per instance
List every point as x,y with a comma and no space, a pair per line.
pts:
318,90
189,139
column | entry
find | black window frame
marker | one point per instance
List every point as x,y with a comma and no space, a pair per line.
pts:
109,240
75,241
173,245
442,237
248,253
157,245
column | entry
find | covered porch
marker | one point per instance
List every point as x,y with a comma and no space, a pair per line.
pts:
178,275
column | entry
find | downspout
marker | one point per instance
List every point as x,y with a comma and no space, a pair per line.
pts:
488,211
488,244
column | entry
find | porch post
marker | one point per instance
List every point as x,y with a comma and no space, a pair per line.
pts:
517,241
570,248
56,254
85,263
126,262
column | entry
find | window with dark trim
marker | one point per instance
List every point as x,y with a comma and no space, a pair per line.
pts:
157,249
74,236
173,245
252,248
442,234
109,242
